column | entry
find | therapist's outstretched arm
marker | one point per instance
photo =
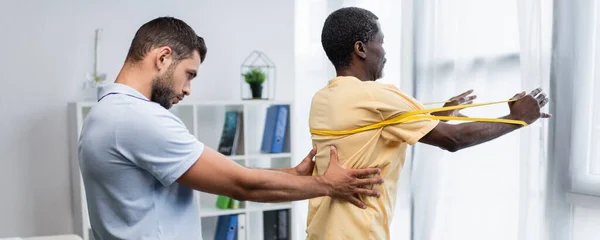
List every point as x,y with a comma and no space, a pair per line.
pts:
214,173
456,137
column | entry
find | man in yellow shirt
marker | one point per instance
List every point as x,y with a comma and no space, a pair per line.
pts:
352,40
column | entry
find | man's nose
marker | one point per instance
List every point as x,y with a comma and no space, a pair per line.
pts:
187,89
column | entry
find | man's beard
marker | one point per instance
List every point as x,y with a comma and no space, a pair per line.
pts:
379,73
162,90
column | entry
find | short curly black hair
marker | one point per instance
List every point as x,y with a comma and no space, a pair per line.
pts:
342,29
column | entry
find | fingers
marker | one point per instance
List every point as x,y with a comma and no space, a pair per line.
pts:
535,92
367,192
466,100
541,96
312,153
544,102
368,181
464,97
364,192
469,100
542,99
364,172
356,202
518,95
465,94
333,155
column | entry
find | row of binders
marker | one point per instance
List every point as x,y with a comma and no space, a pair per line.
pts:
275,226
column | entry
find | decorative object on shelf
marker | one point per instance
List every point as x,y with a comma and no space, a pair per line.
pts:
255,77
258,77
95,79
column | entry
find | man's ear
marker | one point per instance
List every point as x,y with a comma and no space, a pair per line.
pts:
360,49
164,57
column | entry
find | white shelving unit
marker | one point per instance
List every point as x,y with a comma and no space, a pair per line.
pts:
204,119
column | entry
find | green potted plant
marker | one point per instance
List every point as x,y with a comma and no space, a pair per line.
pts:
255,77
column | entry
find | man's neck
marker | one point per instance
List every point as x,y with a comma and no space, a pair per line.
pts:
137,78
357,73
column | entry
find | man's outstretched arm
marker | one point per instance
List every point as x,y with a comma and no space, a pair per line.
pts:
214,173
456,137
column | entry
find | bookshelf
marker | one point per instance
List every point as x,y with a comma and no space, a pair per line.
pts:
205,120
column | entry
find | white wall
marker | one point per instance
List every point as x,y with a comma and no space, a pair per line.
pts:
47,49
585,224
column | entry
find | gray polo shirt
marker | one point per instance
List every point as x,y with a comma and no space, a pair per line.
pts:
131,153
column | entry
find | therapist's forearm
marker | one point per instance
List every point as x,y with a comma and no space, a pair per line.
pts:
277,186
285,170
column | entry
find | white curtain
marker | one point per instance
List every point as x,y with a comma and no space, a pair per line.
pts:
498,48
535,34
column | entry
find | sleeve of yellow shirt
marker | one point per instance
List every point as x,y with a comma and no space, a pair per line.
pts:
390,102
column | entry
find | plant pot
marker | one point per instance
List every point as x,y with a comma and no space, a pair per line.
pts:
256,90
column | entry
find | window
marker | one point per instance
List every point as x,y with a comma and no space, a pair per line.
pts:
585,148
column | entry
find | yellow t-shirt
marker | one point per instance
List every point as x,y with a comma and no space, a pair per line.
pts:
348,103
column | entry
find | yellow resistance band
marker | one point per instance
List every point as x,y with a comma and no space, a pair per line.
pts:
413,115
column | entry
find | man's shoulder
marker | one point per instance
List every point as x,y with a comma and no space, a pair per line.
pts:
136,111
343,87
379,86
131,118
150,122
390,92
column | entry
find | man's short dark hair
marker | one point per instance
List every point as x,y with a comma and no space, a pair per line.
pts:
342,29
166,31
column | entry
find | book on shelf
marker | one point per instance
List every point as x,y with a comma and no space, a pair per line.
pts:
275,129
231,142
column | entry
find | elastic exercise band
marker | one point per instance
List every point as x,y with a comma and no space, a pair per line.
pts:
413,115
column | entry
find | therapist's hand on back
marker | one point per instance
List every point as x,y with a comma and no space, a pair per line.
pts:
349,183
343,183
